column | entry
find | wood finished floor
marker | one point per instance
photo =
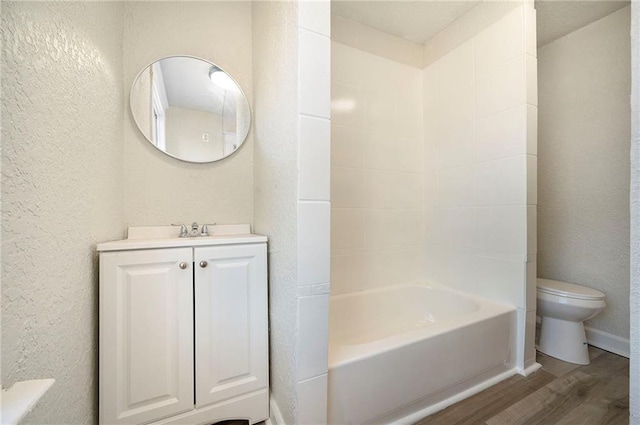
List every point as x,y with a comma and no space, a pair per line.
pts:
558,394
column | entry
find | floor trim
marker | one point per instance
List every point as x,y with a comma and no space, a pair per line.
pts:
531,369
608,341
275,418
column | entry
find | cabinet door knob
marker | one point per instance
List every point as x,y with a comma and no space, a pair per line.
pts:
203,264
183,265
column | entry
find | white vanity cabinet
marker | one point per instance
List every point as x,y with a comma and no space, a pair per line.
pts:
183,330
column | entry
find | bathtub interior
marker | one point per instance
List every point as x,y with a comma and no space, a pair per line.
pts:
367,316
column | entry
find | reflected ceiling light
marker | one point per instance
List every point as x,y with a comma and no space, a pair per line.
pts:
343,105
221,79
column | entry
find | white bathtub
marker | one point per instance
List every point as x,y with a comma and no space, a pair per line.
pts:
405,351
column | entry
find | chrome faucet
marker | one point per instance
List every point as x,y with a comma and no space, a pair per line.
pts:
195,230
183,230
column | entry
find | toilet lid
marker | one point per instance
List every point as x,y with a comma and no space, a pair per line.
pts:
570,290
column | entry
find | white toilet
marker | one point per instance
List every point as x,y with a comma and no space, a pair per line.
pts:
563,307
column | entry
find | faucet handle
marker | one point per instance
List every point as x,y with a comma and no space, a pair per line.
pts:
205,229
183,230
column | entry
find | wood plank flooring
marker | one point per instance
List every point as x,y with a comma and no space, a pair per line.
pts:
558,394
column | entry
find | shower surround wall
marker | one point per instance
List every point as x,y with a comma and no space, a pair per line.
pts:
480,155
377,180
434,169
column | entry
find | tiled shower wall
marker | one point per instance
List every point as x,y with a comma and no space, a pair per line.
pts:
377,171
480,116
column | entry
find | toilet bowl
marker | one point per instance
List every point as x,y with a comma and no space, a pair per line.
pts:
563,307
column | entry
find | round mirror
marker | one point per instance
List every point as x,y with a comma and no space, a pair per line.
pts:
190,109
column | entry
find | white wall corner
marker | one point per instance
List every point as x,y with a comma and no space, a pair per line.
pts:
275,416
314,74
313,212
312,345
314,242
634,395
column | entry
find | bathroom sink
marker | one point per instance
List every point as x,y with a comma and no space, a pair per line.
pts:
168,232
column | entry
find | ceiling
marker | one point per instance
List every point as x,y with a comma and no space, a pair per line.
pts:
415,21
187,84
418,21
559,18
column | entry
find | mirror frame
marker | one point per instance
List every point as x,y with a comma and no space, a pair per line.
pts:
212,64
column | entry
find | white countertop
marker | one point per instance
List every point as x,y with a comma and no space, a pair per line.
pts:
152,237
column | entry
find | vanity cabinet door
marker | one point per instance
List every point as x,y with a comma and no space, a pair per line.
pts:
231,321
146,335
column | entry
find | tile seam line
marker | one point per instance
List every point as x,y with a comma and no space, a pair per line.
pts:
525,103
459,207
313,284
309,30
379,169
395,209
313,202
320,117
486,74
484,161
314,377
314,295
519,105
411,248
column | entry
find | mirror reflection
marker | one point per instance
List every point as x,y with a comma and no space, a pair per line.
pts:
190,109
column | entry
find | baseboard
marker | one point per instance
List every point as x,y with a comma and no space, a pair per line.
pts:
275,416
608,341
528,370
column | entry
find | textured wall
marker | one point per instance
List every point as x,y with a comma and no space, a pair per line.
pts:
583,174
160,189
62,111
634,396
276,176
2,43
142,101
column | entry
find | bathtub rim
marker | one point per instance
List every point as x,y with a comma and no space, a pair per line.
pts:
487,310
425,284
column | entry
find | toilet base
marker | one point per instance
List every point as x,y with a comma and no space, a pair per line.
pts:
564,340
